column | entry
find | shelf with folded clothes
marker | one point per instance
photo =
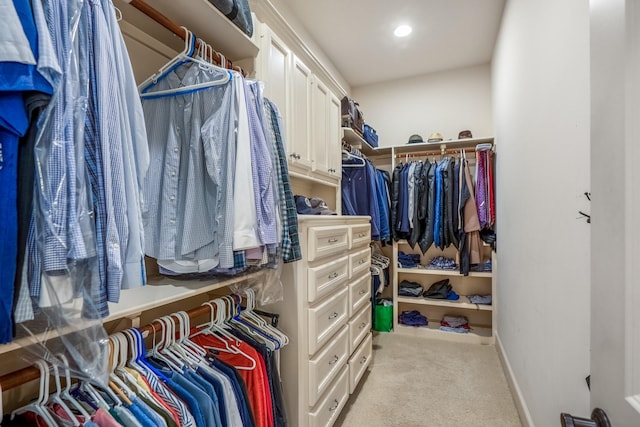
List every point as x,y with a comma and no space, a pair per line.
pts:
477,335
422,270
463,302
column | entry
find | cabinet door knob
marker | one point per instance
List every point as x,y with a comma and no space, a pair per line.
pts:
333,316
334,360
335,405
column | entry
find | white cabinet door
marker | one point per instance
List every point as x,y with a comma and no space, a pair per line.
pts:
299,143
275,71
334,136
320,95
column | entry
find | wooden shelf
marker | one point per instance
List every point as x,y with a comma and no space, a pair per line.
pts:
461,303
352,138
203,19
451,144
159,291
477,335
429,272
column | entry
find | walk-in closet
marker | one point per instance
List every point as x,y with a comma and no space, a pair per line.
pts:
291,213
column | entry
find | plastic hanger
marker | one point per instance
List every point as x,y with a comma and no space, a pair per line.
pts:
248,326
37,407
361,161
182,58
262,327
217,318
115,383
174,364
67,386
57,398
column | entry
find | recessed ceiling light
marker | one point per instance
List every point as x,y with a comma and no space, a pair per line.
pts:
402,31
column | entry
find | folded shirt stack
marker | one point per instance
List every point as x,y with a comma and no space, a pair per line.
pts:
413,318
480,299
458,324
408,260
441,289
409,289
442,263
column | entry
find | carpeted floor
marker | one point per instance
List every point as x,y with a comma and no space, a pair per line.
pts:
417,382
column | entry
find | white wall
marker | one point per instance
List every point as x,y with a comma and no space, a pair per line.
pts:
445,102
541,111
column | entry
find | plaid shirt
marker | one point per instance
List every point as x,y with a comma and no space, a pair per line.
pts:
290,242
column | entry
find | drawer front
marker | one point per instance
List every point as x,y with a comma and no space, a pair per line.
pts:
359,292
359,262
326,318
359,361
326,365
360,235
359,327
330,405
326,277
325,241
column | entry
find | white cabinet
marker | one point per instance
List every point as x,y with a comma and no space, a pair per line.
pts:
274,68
325,131
326,313
299,144
310,109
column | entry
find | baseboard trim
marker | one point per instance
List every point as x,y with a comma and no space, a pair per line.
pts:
521,405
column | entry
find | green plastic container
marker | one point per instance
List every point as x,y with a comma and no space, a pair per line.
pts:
383,318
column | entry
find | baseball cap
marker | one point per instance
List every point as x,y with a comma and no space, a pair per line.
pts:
435,137
415,138
313,206
465,134
321,207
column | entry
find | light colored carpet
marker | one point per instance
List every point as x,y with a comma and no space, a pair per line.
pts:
418,382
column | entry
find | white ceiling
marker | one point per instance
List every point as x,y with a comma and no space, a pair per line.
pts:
357,35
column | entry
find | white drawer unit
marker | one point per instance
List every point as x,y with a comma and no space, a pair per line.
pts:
325,365
326,318
359,362
327,277
359,293
359,327
328,409
360,235
359,262
325,241
326,312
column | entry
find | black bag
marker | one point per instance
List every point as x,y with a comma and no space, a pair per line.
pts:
439,290
351,115
238,12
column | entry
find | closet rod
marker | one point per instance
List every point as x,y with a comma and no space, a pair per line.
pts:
152,13
435,152
31,373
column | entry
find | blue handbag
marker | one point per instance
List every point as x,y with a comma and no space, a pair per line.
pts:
370,135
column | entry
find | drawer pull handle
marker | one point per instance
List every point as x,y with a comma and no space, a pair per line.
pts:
333,275
364,359
332,240
362,291
362,234
333,316
334,406
363,324
334,360
362,261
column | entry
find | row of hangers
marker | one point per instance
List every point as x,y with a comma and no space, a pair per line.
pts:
203,56
171,344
